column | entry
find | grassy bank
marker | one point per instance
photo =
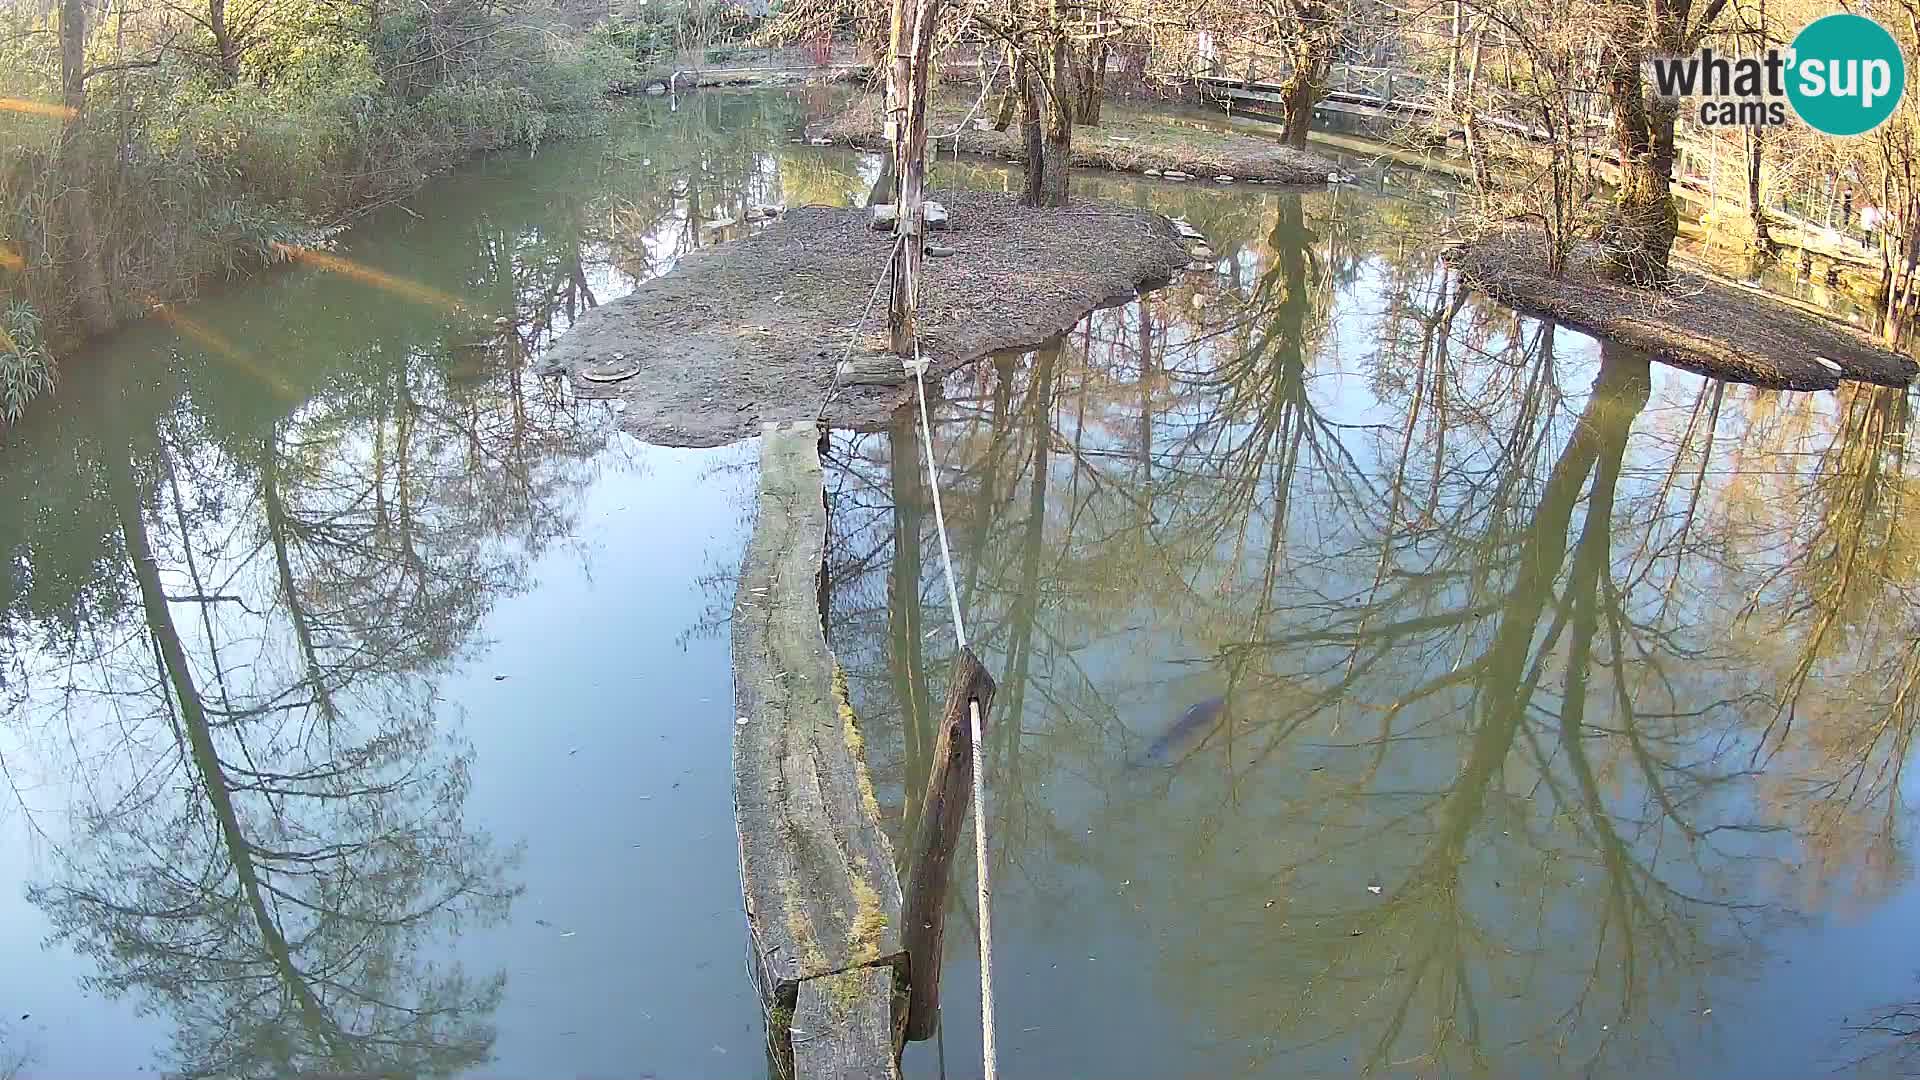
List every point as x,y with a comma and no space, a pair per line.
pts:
181,160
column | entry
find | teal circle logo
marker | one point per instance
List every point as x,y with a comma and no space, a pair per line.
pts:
1846,75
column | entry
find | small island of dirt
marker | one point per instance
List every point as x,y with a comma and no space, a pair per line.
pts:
753,330
1125,140
1697,323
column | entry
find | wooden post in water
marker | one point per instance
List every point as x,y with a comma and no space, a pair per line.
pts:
942,813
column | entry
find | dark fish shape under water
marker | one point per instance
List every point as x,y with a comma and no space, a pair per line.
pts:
1184,736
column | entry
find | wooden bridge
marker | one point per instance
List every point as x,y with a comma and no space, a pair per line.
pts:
1365,92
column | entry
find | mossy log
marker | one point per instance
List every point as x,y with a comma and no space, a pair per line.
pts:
842,1028
815,869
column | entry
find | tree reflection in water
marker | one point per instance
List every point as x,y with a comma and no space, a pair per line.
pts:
231,634
1549,671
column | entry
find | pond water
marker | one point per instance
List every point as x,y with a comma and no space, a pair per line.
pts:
367,700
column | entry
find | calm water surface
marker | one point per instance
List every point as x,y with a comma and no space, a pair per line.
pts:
367,702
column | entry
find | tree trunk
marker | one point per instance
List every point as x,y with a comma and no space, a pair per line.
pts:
1093,84
1476,144
76,202
1763,241
899,70
1058,148
1031,135
1639,237
1003,111
1300,93
227,53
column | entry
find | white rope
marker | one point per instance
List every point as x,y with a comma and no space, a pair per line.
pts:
989,1056
919,368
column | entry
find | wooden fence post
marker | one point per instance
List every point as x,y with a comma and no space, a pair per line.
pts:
942,813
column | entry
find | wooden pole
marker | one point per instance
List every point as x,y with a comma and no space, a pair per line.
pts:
911,72
942,813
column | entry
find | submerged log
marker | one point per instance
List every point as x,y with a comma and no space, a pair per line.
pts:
815,869
943,811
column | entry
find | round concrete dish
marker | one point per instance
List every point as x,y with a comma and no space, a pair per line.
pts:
610,371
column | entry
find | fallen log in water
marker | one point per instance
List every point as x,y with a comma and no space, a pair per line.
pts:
823,904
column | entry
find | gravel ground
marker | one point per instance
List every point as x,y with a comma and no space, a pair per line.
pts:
752,330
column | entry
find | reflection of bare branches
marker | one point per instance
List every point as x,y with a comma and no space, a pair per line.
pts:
15,1054
1888,1042
1481,797
276,846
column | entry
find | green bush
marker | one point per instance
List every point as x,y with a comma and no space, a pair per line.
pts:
192,177
641,40
26,369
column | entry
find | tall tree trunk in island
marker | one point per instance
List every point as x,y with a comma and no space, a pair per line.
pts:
1639,236
1301,92
899,70
1057,147
76,201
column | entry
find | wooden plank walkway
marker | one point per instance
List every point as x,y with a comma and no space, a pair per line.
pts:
822,898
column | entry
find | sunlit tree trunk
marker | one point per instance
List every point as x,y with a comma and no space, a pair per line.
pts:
226,50
1059,140
1301,92
1640,233
1049,102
